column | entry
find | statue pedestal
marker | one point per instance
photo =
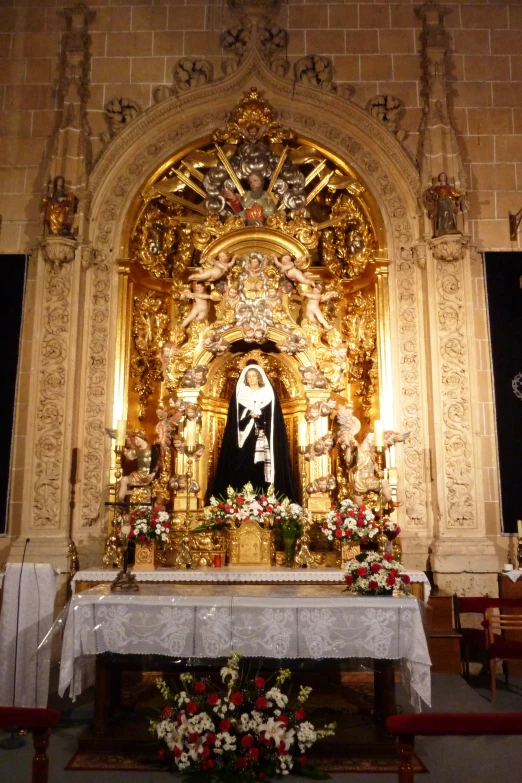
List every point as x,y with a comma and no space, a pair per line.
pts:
251,544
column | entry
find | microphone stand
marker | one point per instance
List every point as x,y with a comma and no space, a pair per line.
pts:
14,741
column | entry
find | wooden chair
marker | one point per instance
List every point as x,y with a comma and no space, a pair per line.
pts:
498,647
433,724
475,637
38,721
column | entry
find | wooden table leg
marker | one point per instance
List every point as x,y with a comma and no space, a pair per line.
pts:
384,689
40,758
102,693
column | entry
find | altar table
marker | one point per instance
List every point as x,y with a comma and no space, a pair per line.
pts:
262,621
85,579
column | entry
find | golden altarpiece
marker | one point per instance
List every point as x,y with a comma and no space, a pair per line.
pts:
253,244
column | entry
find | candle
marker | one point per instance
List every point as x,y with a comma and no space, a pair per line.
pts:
302,434
217,561
519,527
379,435
191,434
121,433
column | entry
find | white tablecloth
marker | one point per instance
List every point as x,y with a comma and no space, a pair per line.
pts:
237,575
37,596
283,621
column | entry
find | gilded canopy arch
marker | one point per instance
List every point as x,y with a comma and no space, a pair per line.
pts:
353,137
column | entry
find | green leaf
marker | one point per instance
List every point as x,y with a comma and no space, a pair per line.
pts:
312,772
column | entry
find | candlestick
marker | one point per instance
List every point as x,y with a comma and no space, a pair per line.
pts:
121,433
302,434
379,435
191,434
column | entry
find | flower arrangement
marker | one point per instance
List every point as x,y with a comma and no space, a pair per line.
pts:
149,524
349,522
238,506
391,529
242,732
288,518
372,574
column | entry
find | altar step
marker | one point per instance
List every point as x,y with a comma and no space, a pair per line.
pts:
443,639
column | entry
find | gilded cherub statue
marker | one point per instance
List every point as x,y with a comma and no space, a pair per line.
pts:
290,269
219,267
200,308
312,308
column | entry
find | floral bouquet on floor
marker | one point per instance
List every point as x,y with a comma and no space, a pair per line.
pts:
372,574
238,506
149,524
348,522
246,730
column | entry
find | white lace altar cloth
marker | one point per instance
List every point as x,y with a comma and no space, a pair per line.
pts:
37,596
262,621
237,575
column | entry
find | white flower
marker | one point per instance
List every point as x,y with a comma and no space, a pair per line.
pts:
273,729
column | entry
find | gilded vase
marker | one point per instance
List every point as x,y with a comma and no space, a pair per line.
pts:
144,556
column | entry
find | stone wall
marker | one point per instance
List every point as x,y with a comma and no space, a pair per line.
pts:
373,47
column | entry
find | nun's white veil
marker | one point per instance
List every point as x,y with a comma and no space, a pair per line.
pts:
254,400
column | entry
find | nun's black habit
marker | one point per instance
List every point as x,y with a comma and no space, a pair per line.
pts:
236,463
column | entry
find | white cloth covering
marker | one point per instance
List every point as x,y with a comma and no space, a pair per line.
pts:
37,597
287,621
513,575
238,575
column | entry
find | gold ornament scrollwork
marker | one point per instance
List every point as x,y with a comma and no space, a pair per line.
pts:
150,323
162,244
360,333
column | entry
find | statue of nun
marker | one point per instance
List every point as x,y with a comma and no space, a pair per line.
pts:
255,444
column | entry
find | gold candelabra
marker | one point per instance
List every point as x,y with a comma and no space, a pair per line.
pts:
116,548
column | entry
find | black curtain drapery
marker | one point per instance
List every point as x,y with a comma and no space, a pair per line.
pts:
504,296
12,275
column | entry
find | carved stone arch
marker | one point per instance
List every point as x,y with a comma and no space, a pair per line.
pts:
338,126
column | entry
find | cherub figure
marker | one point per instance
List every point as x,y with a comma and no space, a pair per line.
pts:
290,270
199,311
273,297
220,266
312,308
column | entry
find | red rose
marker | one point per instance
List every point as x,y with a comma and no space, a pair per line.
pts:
253,754
219,521
193,736
210,738
338,522
348,579
348,533
360,523
390,580
361,571
205,753
394,572
261,776
199,687
224,724
239,500
213,699
162,753
221,505
338,533
131,533
372,584
237,698
167,712
176,751
300,714
406,579
261,703
362,508
388,557
281,748
263,499
192,707
363,540
351,514
283,719
208,764
180,718
269,509
228,508
375,568
259,682
325,526
247,741
141,537
303,761
241,762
